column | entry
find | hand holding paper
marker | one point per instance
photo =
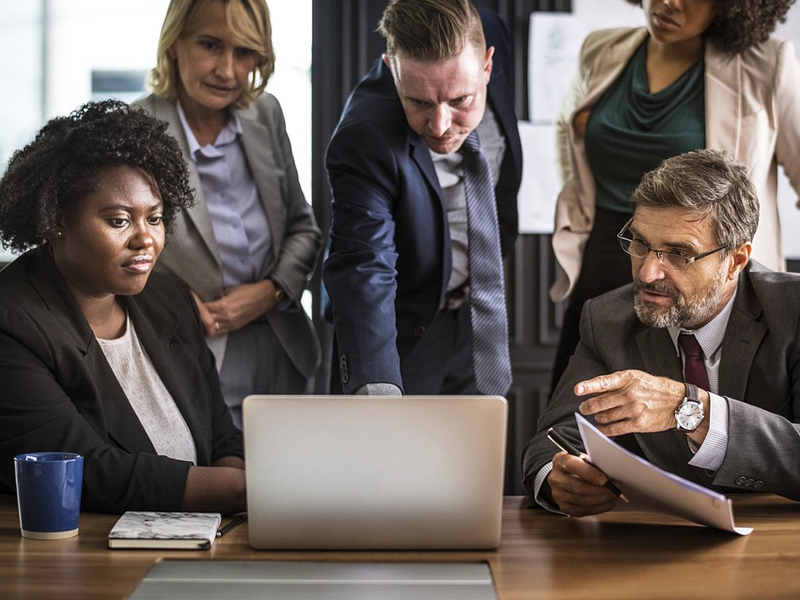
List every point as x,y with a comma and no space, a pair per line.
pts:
654,490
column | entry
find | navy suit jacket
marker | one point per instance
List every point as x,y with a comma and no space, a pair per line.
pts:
59,392
390,256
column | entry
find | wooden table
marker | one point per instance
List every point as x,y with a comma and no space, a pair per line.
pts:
617,555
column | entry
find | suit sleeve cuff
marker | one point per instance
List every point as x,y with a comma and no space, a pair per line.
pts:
379,389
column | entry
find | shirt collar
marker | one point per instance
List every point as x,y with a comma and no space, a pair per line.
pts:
228,135
710,335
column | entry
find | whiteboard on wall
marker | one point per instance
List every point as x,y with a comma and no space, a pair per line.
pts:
555,41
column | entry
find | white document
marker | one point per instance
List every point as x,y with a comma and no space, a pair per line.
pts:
554,44
536,200
652,489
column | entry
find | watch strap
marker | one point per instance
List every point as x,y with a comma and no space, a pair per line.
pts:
692,392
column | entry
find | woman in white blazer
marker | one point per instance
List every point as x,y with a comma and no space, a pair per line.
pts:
250,244
702,73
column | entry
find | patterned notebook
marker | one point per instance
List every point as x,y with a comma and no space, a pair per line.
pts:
182,530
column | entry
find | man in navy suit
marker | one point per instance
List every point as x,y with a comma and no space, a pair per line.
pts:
398,272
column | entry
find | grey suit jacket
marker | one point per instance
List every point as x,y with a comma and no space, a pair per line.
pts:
759,375
192,254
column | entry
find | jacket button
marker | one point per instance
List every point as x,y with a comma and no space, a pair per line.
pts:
758,483
344,371
742,480
419,330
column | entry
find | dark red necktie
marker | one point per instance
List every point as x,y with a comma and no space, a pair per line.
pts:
694,369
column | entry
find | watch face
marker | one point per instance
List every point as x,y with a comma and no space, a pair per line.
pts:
689,415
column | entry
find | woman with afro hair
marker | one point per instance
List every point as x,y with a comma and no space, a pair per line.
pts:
99,355
699,74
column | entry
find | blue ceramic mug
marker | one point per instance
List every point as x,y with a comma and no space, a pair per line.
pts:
49,494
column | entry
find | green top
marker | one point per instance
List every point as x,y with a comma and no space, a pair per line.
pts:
630,131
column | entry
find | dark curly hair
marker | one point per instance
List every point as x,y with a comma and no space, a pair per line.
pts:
741,24
61,166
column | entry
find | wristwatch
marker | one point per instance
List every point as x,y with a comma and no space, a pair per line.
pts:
689,413
278,291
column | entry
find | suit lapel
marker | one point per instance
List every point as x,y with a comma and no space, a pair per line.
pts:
421,155
503,107
197,215
267,173
616,56
723,100
658,353
742,339
120,420
157,331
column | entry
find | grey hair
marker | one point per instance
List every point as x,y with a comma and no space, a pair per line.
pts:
431,31
710,182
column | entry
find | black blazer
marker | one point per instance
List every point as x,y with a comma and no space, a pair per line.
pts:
390,257
60,394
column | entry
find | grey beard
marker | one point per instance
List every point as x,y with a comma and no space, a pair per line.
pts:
685,313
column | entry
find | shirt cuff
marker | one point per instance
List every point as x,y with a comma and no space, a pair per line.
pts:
712,451
379,389
537,485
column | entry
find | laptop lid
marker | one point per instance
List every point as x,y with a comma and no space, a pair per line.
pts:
361,472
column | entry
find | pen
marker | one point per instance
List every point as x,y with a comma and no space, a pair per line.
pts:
560,441
231,524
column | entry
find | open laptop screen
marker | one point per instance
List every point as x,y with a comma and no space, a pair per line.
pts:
360,472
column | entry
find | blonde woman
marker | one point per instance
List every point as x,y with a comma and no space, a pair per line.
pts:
249,245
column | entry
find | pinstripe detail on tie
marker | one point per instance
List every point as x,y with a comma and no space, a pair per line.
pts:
490,354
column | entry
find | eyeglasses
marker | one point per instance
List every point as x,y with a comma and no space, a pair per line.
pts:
672,260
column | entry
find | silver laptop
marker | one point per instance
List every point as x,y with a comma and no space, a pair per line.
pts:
360,472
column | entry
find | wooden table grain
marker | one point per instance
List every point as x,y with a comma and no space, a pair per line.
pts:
542,556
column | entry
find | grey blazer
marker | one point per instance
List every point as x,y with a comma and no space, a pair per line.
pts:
192,253
759,375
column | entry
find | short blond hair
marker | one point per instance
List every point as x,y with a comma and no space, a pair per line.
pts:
247,19
431,30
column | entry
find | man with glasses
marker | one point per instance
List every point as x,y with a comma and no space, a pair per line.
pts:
696,365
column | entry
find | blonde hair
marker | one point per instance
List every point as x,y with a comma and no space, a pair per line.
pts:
431,30
249,22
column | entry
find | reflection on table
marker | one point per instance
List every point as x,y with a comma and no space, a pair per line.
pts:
616,555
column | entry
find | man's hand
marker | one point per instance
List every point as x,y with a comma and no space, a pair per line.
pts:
577,488
636,402
631,402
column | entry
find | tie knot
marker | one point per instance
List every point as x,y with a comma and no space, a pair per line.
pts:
690,345
471,143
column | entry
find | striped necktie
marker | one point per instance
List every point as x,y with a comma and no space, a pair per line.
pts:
490,354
